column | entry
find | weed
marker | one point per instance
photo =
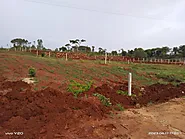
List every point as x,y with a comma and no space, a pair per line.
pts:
43,87
120,107
149,103
22,89
77,88
103,99
35,88
32,72
120,92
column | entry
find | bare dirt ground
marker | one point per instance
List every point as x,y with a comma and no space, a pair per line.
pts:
52,112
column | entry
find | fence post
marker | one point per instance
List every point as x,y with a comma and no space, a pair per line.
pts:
105,58
49,54
130,84
37,53
66,56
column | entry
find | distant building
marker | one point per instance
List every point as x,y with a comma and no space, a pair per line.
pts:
81,49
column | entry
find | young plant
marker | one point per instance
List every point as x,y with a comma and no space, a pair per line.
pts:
103,99
32,72
120,92
120,107
77,88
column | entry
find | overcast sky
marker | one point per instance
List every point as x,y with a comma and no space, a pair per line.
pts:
111,24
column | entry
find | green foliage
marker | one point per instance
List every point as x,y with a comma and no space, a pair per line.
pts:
43,54
103,99
120,92
32,72
169,78
77,88
120,107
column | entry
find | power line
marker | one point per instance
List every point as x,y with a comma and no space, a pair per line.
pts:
91,10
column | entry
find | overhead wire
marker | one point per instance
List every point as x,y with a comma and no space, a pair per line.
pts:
90,10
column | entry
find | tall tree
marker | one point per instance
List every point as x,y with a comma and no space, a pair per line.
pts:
114,53
40,44
175,50
93,48
63,49
123,53
182,50
139,53
76,43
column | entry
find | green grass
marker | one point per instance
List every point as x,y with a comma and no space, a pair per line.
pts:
84,70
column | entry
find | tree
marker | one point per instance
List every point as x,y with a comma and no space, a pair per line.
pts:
56,50
63,49
114,53
123,53
76,43
182,50
175,50
33,47
130,53
40,44
93,48
68,46
139,53
19,42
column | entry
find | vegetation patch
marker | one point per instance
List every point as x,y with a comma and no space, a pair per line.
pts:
168,78
120,92
105,101
120,107
77,88
32,72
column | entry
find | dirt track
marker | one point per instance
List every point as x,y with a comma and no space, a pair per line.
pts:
53,114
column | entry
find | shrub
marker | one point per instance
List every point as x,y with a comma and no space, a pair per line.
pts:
32,72
42,54
103,99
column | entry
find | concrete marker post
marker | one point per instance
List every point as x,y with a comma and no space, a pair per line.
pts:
37,53
130,84
66,56
49,54
105,58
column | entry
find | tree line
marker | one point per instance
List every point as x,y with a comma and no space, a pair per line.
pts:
20,43
76,45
